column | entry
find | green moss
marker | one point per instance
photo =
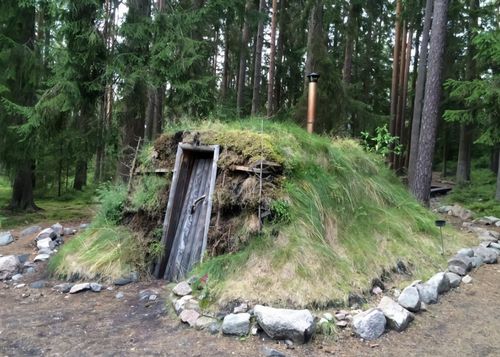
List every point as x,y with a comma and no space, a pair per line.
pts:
147,193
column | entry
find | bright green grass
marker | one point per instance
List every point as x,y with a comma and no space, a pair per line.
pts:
479,195
70,206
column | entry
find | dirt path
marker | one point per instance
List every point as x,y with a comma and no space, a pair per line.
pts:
35,322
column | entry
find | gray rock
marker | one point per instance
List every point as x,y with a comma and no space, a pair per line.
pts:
476,261
428,293
460,264
285,324
497,224
9,266
17,277
271,352
30,230
41,257
488,255
491,219
486,237
467,279
84,226
369,324
462,213
45,243
182,289
495,245
5,238
40,284
441,282
58,228
410,299
444,209
131,278
454,279
214,328
119,295
204,322
63,288
397,317
152,297
468,252
485,244
95,287
186,302
79,287
146,294
494,234
45,251
243,307
46,233
69,231
236,324
30,270
19,286
189,316
329,317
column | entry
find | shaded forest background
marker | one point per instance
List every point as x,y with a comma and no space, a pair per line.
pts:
84,83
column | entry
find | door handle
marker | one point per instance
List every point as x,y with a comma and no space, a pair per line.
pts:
196,203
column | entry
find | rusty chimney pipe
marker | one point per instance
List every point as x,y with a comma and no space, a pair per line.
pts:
311,101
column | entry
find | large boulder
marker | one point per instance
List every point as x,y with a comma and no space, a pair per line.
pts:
428,293
369,324
440,281
79,287
46,233
397,317
285,324
236,324
460,264
468,252
30,230
410,299
45,243
6,238
460,212
488,255
454,279
182,289
186,303
9,266
58,228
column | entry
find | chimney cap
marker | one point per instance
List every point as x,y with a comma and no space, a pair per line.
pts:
313,77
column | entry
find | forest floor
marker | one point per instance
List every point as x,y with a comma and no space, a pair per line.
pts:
44,322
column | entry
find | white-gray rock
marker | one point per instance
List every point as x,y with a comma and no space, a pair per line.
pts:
491,219
6,238
410,299
236,324
46,233
41,257
285,324
487,237
444,209
182,289
45,251
369,324
476,261
243,307
45,243
186,302
58,228
460,264
397,317
459,211
79,287
468,252
329,317
9,266
189,316
68,231
30,230
96,287
454,279
497,224
63,288
203,322
17,277
467,279
440,281
495,245
488,255
428,293
119,295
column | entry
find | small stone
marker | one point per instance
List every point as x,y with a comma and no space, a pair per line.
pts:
63,288
79,287
467,279
30,230
396,293
342,323
131,278
46,233
17,277
84,226
152,297
236,324
119,295
377,290
204,322
454,279
423,306
340,316
182,289
58,228
69,231
41,257
397,316
38,284
428,293
369,324
19,286
214,328
328,316
95,287
254,331
186,302
468,252
45,243
30,270
6,238
243,307
440,281
410,299
271,352
189,316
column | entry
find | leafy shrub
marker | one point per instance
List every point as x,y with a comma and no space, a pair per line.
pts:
383,143
112,199
147,195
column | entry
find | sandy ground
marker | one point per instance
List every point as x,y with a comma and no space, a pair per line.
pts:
36,322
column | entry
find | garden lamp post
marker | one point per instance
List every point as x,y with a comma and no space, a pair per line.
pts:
441,223
311,101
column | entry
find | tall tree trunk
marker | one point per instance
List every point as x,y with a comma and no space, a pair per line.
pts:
245,36
277,96
22,190
395,74
423,174
80,175
314,36
225,65
497,195
466,130
419,93
257,72
494,157
272,60
349,45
